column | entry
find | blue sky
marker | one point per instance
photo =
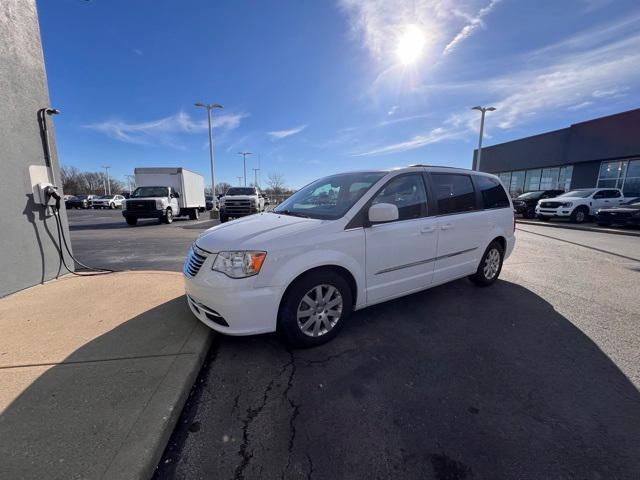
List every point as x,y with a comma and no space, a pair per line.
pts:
316,87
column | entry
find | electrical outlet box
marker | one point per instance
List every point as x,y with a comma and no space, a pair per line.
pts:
39,174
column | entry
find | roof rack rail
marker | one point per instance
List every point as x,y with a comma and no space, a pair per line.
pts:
438,166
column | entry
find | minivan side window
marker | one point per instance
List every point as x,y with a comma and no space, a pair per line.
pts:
408,193
493,195
454,193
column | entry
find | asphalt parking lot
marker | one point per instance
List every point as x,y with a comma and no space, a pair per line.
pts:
535,377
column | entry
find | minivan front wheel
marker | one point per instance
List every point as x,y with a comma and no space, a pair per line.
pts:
490,265
314,309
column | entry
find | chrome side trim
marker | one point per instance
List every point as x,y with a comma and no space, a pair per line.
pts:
422,262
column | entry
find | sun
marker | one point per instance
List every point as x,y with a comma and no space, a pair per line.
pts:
411,43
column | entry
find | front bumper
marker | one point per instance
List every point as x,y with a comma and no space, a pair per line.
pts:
143,213
554,212
245,308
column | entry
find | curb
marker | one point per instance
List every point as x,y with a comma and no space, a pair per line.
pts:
143,447
629,233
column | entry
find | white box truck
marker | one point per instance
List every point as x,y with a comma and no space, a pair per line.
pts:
165,193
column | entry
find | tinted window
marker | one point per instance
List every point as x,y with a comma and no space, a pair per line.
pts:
611,194
454,193
493,195
406,192
241,191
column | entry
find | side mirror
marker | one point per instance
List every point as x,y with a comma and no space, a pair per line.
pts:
175,195
383,212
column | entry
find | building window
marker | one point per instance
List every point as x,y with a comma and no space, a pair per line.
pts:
517,183
549,180
612,174
631,186
532,180
505,178
564,180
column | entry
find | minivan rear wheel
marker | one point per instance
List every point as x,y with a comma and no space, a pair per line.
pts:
490,265
314,309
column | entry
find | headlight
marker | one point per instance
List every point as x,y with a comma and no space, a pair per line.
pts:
160,203
567,204
637,214
239,264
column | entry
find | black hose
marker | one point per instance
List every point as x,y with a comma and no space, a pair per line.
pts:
93,271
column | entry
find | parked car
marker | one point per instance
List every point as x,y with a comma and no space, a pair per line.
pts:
241,201
80,201
108,201
627,213
525,204
578,205
210,202
302,268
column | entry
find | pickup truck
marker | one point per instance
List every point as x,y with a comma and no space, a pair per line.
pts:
579,205
240,202
165,193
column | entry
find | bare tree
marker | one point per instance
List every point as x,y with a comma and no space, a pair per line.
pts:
276,183
222,187
72,180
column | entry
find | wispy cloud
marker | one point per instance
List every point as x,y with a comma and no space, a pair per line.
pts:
279,134
445,23
163,130
468,30
138,52
562,78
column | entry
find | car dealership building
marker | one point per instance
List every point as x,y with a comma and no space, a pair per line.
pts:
604,152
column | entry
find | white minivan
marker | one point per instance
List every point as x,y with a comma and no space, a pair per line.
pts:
346,242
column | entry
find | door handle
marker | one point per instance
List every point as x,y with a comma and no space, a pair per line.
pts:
427,230
446,226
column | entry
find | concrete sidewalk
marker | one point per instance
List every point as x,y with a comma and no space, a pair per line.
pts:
588,227
94,374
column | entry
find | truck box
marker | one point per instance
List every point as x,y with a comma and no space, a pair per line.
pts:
188,184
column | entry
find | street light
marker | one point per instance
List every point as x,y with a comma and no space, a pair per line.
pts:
210,107
255,177
482,110
108,184
244,163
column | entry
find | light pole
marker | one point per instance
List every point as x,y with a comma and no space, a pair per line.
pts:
108,184
255,177
210,107
482,110
131,182
244,163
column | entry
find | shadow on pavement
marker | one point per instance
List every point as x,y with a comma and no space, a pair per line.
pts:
68,420
454,383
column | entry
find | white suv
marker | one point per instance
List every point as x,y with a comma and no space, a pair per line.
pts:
346,242
578,205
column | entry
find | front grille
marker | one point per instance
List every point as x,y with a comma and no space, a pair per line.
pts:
238,207
141,205
194,261
550,204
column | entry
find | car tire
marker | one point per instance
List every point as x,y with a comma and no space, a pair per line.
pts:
223,218
112,205
490,266
579,215
529,214
168,217
317,327
132,220
194,214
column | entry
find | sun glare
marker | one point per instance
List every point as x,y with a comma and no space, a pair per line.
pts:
410,44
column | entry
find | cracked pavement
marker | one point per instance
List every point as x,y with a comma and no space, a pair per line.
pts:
534,377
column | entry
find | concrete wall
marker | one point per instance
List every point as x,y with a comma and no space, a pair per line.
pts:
615,136
28,255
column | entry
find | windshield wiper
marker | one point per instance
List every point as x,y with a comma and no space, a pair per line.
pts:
291,213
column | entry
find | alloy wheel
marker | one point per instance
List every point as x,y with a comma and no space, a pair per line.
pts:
319,310
491,263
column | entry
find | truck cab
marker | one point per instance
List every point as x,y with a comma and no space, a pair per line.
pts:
152,202
240,202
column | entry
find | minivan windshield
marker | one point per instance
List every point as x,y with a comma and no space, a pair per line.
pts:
150,192
578,193
331,197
